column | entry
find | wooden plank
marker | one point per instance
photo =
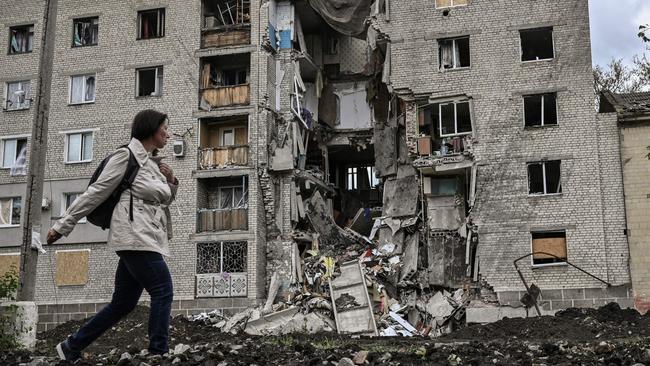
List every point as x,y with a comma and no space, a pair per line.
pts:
241,136
556,246
72,267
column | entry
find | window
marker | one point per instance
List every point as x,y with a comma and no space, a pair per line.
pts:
85,32
234,77
453,53
228,137
221,257
21,39
79,147
10,209
151,23
12,149
537,44
550,247
540,109
444,186
82,89
232,197
68,199
361,178
18,95
544,178
450,3
149,81
454,118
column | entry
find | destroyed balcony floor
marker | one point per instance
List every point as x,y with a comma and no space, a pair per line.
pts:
235,171
447,163
224,112
222,236
227,50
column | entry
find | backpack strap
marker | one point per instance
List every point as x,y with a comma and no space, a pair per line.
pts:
132,170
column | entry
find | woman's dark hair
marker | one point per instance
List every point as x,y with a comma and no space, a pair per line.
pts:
146,123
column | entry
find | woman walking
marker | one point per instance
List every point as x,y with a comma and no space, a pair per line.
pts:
138,234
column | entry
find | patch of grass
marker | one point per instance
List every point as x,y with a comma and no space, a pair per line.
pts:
326,344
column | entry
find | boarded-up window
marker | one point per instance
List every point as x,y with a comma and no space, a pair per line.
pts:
450,3
549,247
72,267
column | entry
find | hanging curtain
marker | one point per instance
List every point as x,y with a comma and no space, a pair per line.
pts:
5,211
446,55
90,89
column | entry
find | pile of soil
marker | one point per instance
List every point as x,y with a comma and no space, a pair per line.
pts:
607,336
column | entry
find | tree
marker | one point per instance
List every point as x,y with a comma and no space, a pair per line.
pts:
616,77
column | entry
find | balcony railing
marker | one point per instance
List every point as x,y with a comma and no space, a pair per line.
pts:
225,96
209,220
221,157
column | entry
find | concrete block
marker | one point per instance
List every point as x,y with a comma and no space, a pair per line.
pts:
22,319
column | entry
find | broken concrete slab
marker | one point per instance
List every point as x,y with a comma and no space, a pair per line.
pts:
438,306
290,321
385,151
410,259
323,223
400,198
282,159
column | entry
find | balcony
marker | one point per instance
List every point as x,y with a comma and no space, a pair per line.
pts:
225,23
223,204
224,81
223,143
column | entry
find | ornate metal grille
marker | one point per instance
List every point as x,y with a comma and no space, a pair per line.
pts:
221,269
208,258
234,257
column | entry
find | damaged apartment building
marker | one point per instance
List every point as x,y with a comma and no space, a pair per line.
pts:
434,142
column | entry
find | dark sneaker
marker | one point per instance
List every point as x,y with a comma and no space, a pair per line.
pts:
65,353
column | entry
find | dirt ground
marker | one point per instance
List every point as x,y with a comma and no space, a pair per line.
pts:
605,336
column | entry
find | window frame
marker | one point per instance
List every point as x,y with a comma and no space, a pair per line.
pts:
22,85
11,212
30,33
81,146
521,45
85,80
532,250
453,47
159,11
543,123
3,140
64,204
232,206
222,134
543,163
80,20
158,87
435,4
455,103
221,255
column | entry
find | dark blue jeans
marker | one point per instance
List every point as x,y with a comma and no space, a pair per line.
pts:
136,270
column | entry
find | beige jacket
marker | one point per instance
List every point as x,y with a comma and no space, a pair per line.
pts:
151,196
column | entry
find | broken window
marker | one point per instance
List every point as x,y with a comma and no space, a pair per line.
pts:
540,109
18,96
537,44
79,147
364,177
21,39
10,209
549,247
450,3
544,178
454,118
11,150
232,197
444,186
454,53
149,81
220,257
82,89
85,32
234,77
68,200
151,23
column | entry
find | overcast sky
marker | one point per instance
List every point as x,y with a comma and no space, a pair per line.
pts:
614,26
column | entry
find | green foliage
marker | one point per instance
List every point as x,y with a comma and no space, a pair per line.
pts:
8,286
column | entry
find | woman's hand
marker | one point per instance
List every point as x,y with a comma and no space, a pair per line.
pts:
53,236
167,172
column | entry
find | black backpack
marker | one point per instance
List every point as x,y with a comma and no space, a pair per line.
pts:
101,216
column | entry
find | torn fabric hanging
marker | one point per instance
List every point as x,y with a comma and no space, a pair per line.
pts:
345,16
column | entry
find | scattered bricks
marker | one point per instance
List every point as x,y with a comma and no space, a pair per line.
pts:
583,303
561,304
551,294
574,294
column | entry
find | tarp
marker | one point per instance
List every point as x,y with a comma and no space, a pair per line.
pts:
345,16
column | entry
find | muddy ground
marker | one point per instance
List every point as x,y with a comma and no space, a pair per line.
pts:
605,336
